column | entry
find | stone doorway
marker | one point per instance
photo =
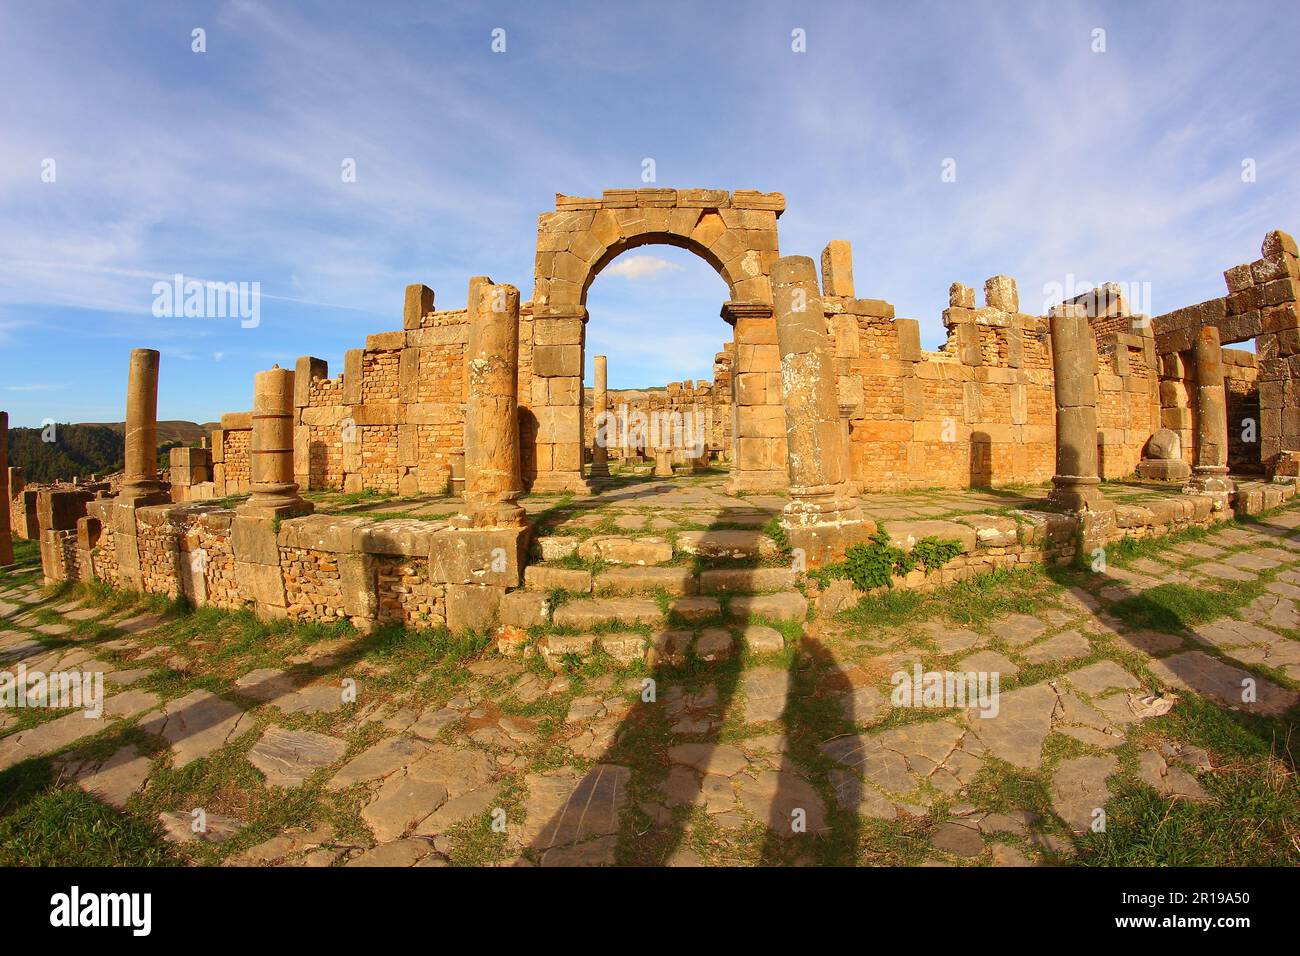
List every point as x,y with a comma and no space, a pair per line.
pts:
736,234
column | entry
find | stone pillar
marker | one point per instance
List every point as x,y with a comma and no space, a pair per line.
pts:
6,529
140,483
274,493
493,480
1075,485
599,408
758,424
663,462
821,518
1210,471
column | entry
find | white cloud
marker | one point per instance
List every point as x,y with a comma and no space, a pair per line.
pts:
640,267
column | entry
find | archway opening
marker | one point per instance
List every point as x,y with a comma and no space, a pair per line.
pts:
654,315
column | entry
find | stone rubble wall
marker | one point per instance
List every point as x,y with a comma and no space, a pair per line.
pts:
314,568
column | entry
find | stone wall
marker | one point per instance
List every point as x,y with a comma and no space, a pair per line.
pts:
1263,304
324,568
980,411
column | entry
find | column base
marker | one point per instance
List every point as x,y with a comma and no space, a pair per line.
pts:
1078,494
560,482
757,481
1210,480
274,508
821,530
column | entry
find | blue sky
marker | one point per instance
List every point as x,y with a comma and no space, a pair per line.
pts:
1124,165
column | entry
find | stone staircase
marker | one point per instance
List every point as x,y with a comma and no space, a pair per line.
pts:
714,608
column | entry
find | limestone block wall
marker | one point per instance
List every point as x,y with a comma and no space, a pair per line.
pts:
1263,304
952,418
979,411
390,421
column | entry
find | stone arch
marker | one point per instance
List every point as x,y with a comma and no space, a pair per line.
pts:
735,233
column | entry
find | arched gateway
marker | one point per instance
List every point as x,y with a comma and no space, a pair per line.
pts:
733,232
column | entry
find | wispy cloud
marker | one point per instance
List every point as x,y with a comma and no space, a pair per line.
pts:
640,267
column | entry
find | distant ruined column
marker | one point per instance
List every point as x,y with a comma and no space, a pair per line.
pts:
1210,471
493,480
6,530
274,493
140,484
1075,486
821,518
599,408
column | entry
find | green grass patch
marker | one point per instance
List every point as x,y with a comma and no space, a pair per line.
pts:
1174,607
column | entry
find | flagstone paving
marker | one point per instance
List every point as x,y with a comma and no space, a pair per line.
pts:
774,739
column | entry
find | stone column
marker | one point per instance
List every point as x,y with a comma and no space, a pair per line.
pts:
493,481
821,518
1074,361
140,484
759,462
274,493
599,408
1210,471
6,530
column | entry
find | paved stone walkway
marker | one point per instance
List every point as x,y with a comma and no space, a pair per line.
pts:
774,752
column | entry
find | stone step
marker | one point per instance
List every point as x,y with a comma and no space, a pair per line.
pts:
782,606
745,580
631,580
905,534
590,612
726,544
622,549
538,578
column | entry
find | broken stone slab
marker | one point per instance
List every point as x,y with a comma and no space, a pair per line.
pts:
379,760
765,690
114,780
288,757
396,853
456,810
401,803
197,725
1079,790
1223,683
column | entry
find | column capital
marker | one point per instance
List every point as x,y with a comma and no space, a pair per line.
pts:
745,309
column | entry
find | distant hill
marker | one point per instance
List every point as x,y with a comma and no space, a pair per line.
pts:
185,433
81,450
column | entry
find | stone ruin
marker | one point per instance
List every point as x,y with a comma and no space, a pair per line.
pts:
821,395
